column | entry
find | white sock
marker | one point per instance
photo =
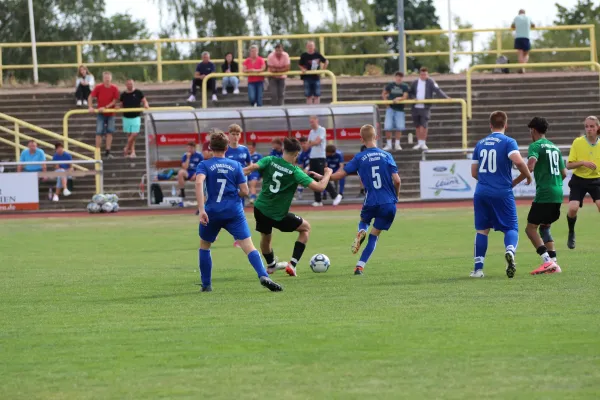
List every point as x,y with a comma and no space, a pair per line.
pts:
389,143
398,142
554,259
421,142
546,257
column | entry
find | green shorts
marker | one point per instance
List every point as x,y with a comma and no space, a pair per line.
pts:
132,125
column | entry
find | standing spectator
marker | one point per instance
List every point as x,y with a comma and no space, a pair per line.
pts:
202,69
61,182
190,160
230,66
107,96
422,89
395,120
132,122
31,154
522,25
83,85
312,60
317,141
278,61
255,63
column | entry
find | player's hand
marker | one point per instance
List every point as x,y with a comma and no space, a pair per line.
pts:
529,180
397,100
203,217
590,165
315,175
328,171
100,109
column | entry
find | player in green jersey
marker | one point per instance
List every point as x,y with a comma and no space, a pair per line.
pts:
281,177
548,167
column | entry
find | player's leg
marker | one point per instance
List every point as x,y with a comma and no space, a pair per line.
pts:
342,185
508,222
576,195
400,125
366,216
543,214
264,225
291,223
384,218
182,176
388,126
317,91
208,234
483,223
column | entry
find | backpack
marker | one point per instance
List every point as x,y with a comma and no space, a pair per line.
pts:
502,60
156,194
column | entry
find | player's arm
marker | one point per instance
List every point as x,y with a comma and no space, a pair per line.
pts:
185,163
385,94
397,183
200,198
251,168
399,99
516,158
475,170
322,183
530,165
243,189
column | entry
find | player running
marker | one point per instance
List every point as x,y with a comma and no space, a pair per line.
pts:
254,177
548,166
494,200
281,176
379,175
225,184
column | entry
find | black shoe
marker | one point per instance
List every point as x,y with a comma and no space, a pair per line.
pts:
571,240
358,271
510,264
206,289
269,284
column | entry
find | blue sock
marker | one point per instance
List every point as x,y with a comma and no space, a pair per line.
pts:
257,263
367,251
205,264
511,240
363,226
341,185
253,196
481,245
243,202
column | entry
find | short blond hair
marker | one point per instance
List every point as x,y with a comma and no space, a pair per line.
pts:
594,118
235,128
367,132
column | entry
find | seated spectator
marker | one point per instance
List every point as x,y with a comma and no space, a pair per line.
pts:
255,63
83,85
61,182
230,81
190,160
335,161
276,147
202,69
278,61
31,154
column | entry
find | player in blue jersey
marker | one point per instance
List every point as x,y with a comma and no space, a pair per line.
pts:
494,200
303,162
254,177
335,160
379,174
225,184
190,160
276,147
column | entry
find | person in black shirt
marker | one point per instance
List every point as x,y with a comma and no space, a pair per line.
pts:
312,60
132,122
229,65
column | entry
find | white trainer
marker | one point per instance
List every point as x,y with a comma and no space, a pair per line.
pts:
236,91
66,192
79,103
337,200
478,273
214,97
417,146
387,148
397,147
85,103
191,99
55,198
424,147
317,204
224,92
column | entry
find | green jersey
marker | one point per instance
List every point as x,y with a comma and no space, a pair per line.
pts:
547,171
280,181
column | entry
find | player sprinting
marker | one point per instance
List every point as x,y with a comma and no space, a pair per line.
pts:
225,184
494,200
548,166
379,175
254,177
281,176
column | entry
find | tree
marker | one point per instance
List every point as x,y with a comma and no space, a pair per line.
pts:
463,41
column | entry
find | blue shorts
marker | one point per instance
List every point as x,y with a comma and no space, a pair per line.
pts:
132,125
236,225
312,88
499,213
384,215
394,120
254,176
522,43
191,174
105,124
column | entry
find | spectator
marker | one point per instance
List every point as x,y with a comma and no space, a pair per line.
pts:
303,162
61,182
202,69
423,89
335,161
317,142
31,154
312,60
276,147
83,85
255,63
190,160
395,120
132,122
229,66
107,96
278,61
522,25
206,151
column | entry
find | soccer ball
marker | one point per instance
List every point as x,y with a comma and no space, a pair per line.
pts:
113,198
115,207
107,207
93,208
319,263
99,199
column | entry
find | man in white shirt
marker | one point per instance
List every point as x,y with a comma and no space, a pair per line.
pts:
522,25
317,141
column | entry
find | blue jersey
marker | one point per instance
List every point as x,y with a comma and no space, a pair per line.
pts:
255,157
304,159
194,161
335,161
240,154
223,177
375,168
276,153
494,177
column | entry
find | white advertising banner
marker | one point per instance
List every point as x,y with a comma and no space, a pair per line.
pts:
451,179
19,191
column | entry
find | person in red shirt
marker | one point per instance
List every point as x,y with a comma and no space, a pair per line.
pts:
255,63
107,96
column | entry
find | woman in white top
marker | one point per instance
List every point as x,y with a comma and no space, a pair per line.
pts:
83,85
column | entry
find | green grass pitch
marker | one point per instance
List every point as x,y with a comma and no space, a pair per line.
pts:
109,308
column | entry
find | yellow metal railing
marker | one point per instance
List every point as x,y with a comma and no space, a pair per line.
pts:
330,74
462,102
159,62
534,65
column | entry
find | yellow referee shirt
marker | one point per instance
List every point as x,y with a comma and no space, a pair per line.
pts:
582,150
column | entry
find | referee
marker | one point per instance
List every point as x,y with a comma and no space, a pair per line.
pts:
317,141
584,159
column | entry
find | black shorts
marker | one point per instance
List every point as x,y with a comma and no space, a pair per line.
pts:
522,44
265,225
543,213
581,186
